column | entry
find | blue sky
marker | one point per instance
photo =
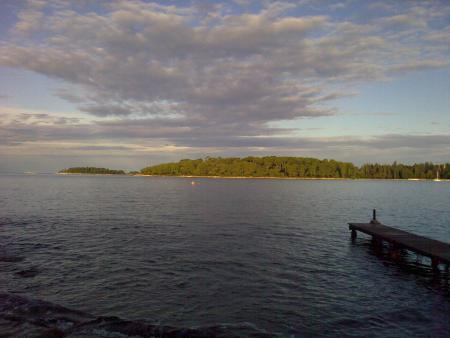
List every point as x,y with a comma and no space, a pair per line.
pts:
125,84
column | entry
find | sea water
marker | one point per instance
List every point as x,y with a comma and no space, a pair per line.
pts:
249,257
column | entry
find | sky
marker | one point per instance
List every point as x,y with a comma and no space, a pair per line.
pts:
126,84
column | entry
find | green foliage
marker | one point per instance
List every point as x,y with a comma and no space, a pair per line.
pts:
92,170
273,166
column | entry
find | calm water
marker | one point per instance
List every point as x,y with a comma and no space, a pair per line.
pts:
254,257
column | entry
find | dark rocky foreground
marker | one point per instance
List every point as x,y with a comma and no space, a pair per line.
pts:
22,317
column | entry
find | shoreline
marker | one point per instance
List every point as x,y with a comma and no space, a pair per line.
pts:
294,178
265,177
86,174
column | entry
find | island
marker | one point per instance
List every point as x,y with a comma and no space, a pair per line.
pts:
280,167
296,167
91,171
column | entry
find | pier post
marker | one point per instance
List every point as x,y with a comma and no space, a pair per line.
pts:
377,243
395,251
353,235
435,264
374,217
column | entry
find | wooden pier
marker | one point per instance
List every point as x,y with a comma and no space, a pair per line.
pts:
438,252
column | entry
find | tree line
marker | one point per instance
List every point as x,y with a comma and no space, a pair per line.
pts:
274,166
92,170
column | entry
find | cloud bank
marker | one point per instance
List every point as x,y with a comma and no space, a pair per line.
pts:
214,75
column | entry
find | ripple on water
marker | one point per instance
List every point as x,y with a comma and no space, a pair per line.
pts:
244,258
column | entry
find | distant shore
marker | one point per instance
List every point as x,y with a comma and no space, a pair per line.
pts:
259,177
265,177
92,174
294,178
280,168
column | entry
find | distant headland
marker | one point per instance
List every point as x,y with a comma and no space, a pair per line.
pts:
281,167
91,171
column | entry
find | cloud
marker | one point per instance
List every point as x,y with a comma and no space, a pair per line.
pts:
440,36
420,65
28,135
103,148
404,20
30,18
205,75
29,128
248,66
242,2
380,6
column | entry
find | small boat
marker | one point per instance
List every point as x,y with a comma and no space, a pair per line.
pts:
193,183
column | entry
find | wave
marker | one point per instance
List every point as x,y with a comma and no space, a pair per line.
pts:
23,317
